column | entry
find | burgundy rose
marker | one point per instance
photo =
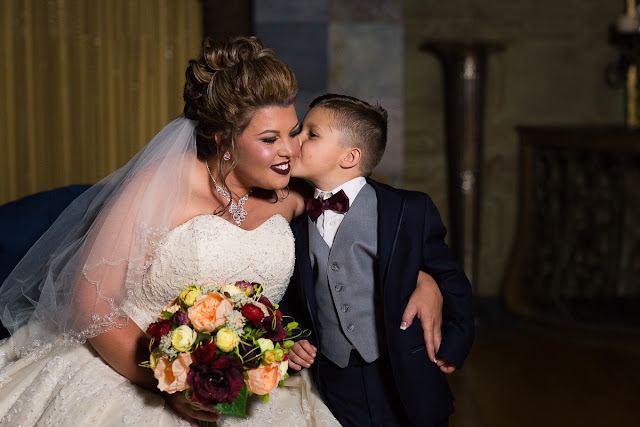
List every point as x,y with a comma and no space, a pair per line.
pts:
250,355
272,325
252,313
270,307
204,352
217,380
264,300
180,318
160,328
273,329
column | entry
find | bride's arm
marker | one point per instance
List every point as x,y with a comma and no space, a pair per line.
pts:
111,264
123,348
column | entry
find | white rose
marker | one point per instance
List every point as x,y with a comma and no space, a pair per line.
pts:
283,369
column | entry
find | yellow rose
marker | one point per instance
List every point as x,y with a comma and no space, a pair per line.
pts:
172,377
279,354
208,312
183,337
226,340
263,379
265,344
188,296
269,357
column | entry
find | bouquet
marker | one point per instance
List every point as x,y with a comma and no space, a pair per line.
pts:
218,343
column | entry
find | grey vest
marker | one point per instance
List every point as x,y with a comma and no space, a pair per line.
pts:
344,277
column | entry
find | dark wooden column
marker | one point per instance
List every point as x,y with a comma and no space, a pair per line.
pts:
464,69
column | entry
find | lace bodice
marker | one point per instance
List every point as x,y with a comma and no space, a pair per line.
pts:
209,247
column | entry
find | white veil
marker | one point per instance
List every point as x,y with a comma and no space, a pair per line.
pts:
73,283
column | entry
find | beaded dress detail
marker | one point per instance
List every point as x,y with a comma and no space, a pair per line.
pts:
73,385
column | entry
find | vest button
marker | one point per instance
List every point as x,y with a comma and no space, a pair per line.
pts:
335,266
350,328
338,288
344,308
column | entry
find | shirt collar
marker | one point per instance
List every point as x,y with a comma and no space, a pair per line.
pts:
351,188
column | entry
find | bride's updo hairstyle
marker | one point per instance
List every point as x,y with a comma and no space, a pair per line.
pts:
224,88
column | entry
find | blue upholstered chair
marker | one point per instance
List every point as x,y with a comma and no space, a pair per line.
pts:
23,221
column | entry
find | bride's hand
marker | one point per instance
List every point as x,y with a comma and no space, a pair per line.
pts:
184,408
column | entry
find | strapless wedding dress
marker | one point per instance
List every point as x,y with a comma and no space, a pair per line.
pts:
74,386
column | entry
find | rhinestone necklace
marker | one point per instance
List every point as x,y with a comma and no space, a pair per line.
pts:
237,211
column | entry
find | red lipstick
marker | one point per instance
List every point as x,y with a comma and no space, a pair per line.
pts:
282,168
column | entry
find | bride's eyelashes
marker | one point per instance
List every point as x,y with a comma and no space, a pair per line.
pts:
295,132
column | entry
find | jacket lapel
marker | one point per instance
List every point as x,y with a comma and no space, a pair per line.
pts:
305,275
390,213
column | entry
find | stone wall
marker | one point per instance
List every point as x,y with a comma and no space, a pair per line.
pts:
550,73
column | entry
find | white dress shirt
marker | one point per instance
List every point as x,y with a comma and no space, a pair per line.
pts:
329,221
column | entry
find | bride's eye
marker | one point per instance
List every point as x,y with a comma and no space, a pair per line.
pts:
269,140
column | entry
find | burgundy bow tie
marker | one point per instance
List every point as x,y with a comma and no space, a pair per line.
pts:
339,202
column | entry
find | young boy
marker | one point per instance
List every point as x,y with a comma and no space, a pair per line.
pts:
358,254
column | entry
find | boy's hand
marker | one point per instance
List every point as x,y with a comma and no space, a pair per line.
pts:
301,355
445,366
426,303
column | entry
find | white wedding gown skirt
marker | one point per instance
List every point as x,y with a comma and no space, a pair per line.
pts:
72,385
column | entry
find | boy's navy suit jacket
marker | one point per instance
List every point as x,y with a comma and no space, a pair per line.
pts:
410,239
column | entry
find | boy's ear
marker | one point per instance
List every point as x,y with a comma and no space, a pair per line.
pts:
353,157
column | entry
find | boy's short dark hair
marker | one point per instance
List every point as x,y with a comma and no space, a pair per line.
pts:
364,125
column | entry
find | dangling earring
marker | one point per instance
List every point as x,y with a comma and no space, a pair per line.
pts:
227,156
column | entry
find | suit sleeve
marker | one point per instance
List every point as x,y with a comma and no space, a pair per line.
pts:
457,312
294,304
290,306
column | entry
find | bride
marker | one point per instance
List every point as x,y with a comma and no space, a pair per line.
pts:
204,199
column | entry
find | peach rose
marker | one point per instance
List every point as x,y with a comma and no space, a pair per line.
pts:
173,377
263,379
207,313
